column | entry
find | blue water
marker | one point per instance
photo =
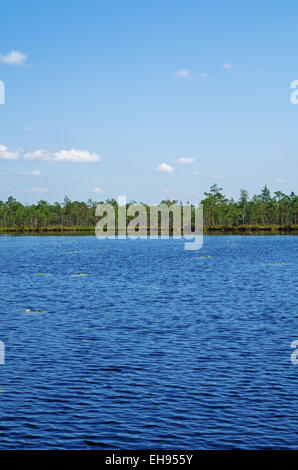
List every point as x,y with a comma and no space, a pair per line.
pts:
156,347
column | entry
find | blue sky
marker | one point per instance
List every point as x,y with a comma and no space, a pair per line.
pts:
148,99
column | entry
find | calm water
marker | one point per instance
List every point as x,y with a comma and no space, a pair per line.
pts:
156,347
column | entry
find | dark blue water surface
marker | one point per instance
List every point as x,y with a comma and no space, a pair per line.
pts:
156,347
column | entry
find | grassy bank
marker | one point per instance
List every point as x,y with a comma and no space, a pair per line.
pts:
208,229
252,229
52,229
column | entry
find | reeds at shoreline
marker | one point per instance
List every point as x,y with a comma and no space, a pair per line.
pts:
208,229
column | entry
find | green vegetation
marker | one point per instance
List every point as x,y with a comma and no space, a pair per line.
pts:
261,213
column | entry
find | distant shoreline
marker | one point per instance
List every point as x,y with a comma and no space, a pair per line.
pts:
262,213
208,230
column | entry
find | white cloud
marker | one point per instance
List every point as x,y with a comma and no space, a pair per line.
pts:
183,73
13,58
31,173
3,173
164,167
204,75
195,172
28,128
98,190
6,154
281,180
38,155
227,66
186,160
72,155
219,177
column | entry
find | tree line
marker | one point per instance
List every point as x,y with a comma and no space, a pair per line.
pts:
263,209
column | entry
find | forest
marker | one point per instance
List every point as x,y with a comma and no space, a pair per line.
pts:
275,212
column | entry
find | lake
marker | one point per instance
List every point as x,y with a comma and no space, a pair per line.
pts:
139,344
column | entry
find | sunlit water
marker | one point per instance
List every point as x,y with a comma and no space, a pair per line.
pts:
153,347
